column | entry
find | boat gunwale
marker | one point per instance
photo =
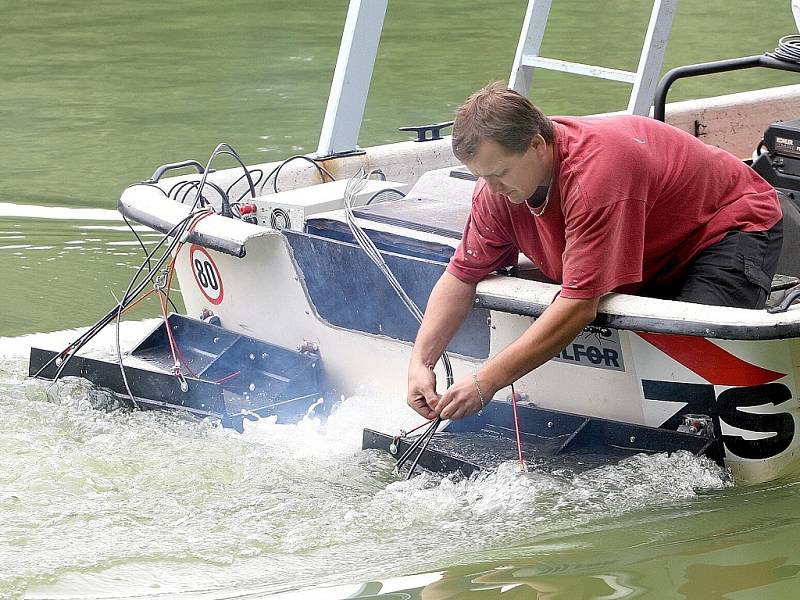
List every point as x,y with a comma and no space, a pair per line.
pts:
642,314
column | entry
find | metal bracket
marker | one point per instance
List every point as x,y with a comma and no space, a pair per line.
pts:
159,172
422,131
699,129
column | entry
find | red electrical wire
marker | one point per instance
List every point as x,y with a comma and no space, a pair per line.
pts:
135,302
405,433
227,377
164,301
173,346
516,428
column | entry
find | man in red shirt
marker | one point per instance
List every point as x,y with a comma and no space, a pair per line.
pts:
599,204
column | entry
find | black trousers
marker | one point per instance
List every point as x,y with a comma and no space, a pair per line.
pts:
736,271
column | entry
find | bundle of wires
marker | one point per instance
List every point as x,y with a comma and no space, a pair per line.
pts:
353,187
158,271
181,190
788,49
156,274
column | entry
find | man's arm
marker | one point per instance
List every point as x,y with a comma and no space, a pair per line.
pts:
564,319
449,304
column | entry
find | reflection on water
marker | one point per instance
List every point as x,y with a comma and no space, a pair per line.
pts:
65,272
689,549
9,209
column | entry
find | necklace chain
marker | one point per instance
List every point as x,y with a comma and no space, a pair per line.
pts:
540,211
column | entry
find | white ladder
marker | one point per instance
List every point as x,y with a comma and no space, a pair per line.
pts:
643,80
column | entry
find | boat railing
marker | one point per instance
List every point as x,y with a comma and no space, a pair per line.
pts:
359,47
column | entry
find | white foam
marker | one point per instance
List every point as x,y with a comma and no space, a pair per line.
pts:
280,506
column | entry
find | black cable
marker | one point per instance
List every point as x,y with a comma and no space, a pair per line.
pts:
384,191
141,243
175,189
89,334
146,257
320,169
225,206
129,295
432,430
121,366
172,304
788,49
231,186
421,440
82,340
148,184
409,451
193,185
187,186
274,173
178,230
231,152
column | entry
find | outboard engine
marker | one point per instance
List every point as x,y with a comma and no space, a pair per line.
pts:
778,158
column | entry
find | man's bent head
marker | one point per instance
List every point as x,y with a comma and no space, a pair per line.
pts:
503,138
500,114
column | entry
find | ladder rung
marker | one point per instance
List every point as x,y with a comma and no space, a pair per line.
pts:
578,68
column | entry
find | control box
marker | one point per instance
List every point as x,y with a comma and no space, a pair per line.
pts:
290,209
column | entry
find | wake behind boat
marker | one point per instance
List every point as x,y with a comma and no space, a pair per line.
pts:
291,277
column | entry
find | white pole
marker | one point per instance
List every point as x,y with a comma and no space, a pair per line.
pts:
796,13
351,79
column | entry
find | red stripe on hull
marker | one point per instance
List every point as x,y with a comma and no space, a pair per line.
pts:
709,361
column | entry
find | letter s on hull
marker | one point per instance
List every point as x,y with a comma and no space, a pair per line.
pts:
726,409
729,403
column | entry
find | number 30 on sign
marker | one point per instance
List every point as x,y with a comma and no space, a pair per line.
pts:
206,274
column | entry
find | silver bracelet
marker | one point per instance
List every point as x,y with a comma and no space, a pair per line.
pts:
478,388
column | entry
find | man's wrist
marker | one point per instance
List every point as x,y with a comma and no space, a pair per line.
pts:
424,362
487,379
478,389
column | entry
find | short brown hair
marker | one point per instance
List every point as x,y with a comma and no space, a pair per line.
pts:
498,113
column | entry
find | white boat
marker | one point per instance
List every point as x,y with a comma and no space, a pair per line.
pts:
283,269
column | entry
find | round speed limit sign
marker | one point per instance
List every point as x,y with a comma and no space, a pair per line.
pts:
206,274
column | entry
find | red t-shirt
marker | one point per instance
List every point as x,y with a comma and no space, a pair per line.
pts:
633,200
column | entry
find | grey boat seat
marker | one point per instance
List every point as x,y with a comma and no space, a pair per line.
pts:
787,274
789,260
427,223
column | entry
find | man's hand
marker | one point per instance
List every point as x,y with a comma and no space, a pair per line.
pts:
462,399
448,306
422,396
559,324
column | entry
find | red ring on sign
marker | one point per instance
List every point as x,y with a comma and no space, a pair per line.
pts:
195,248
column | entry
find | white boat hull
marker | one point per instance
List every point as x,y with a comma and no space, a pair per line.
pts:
645,361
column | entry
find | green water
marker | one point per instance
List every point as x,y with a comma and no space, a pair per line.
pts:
92,100
111,504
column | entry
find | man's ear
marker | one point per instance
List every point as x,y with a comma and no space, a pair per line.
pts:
539,144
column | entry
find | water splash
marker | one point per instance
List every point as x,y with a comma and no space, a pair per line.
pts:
92,494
